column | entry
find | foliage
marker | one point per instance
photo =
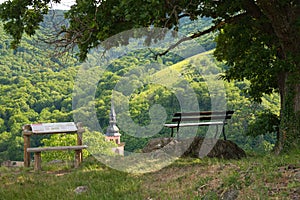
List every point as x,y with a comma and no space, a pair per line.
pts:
98,144
35,87
146,95
265,125
95,140
266,122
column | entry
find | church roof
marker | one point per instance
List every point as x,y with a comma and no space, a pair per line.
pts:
112,129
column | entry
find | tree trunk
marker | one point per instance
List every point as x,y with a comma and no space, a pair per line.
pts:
289,132
283,17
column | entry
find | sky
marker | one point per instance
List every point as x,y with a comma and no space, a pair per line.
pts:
64,5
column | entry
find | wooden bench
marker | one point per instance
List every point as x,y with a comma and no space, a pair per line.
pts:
202,118
37,153
52,128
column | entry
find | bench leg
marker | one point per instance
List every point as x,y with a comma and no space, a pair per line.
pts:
223,131
217,131
78,158
26,154
37,161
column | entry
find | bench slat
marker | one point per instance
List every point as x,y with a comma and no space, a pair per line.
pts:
57,148
200,118
178,114
195,124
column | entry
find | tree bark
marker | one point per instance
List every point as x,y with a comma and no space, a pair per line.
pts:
289,132
283,19
289,88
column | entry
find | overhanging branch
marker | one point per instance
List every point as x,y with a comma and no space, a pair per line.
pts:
201,33
195,35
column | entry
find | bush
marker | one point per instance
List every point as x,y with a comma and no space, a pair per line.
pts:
264,129
265,122
95,140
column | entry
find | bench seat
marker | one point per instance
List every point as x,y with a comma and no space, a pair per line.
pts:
37,153
194,124
202,118
57,148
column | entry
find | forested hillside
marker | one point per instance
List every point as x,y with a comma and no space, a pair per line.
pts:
247,113
37,86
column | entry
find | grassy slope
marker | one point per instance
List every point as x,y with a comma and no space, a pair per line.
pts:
257,177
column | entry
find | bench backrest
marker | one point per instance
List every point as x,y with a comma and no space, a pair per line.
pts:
202,116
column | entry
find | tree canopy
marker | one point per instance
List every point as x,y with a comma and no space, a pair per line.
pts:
258,39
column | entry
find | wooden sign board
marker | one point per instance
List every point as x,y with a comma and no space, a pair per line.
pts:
60,127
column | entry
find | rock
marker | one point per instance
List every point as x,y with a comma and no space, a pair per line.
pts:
81,189
227,149
196,147
156,143
7,163
297,177
168,146
230,195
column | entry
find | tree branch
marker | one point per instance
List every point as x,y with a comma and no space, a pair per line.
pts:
200,33
195,35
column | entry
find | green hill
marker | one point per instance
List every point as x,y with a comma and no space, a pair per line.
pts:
37,86
159,84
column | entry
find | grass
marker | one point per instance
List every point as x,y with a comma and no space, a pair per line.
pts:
256,177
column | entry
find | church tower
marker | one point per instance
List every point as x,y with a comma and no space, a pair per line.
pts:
112,132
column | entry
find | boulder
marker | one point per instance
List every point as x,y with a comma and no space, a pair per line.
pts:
196,147
155,144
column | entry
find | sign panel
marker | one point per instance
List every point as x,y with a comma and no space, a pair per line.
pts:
60,127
